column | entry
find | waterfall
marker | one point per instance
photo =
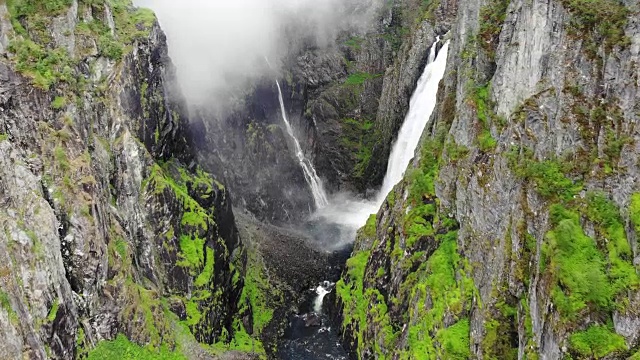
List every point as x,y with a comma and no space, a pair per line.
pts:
423,101
317,189
352,213
321,291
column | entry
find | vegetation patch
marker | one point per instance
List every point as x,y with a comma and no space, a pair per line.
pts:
549,176
123,349
602,21
597,341
53,312
455,341
492,17
359,137
359,78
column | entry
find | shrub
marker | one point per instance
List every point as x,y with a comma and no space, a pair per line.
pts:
597,341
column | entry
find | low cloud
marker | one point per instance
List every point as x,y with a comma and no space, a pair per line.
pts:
219,46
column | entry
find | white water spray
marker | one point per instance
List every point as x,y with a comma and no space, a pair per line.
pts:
310,174
423,101
321,291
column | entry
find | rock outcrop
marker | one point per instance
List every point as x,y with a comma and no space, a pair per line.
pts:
108,226
514,232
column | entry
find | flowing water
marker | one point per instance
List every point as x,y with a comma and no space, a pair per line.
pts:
423,101
315,183
310,336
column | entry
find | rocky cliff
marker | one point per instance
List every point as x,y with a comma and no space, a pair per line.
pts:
108,226
514,232
346,101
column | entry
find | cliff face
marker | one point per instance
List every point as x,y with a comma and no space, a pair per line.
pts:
514,232
352,98
107,226
346,102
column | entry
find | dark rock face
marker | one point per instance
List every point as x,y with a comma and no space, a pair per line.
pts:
107,223
250,147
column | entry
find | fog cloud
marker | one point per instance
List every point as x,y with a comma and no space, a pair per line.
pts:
220,45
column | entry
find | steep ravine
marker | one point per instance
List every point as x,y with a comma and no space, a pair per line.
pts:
514,232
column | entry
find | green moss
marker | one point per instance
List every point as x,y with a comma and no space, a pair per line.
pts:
59,102
358,137
597,341
455,341
352,294
4,137
359,78
609,225
193,313
206,275
197,219
5,303
191,252
123,349
370,227
480,98
578,267
53,312
634,212
256,298
121,247
549,176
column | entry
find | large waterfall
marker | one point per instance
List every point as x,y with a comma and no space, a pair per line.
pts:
317,189
423,101
352,213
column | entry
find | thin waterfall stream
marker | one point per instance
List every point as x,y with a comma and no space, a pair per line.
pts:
311,176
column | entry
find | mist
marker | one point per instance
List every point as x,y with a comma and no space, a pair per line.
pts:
220,46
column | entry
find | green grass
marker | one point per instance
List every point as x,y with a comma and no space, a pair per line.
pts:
370,227
634,212
122,349
597,341
191,252
44,67
355,43
549,176
359,78
578,267
59,102
53,312
5,303
455,341
121,247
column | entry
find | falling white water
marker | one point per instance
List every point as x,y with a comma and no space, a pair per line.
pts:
423,101
351,213
317,189
321,291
